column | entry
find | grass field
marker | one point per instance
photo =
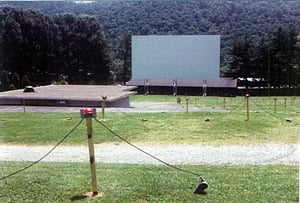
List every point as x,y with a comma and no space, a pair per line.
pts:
227,127
65,182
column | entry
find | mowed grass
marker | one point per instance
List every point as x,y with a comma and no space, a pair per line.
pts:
66,182
213,126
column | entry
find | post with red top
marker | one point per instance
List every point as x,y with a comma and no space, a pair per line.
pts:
247,106
103,106
88,114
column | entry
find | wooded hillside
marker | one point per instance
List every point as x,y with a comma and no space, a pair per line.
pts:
230,19
233,20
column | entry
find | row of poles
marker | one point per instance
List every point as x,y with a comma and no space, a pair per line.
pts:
246,101
89,113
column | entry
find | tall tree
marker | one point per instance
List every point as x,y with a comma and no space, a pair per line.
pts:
82,51
2,17
126,52
283,57
242,60
262,62
293,53
25,42
40,48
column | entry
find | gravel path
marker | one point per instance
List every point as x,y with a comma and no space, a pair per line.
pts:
259,154
145,107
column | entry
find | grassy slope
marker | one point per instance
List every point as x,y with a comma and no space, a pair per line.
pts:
227,127
60,182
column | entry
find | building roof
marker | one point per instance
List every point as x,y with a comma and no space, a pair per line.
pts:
69,94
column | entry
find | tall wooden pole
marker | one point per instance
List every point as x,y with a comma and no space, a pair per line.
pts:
92,155
88,114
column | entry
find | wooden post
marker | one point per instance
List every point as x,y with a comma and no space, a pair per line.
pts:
103,109
88,114
247,106
92,155
275,105
285,102
103,106
294,99
186,105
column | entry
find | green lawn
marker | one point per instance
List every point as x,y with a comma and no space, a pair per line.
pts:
63,182
229,127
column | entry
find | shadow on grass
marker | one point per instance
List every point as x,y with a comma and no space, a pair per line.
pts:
78,197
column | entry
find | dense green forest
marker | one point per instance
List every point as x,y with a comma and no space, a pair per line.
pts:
253,24
38,49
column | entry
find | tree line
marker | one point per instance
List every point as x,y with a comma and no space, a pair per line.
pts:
37,49
273,62
254,20
232,19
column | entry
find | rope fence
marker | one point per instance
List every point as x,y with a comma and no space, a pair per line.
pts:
240,104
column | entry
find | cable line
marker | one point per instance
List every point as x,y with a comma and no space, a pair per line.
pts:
271,114
47,154
147,153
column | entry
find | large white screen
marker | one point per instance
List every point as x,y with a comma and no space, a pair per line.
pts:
169,57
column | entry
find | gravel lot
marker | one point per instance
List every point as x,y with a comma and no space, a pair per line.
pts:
135,107
259,154
174,154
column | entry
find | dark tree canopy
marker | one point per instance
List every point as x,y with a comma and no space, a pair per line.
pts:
232,19
275,61
82,52
37,48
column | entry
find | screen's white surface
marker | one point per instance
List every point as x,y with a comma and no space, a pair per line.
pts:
169,57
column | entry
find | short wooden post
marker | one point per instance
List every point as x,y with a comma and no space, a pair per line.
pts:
275,105
186,104
285,102
103,106
247,106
